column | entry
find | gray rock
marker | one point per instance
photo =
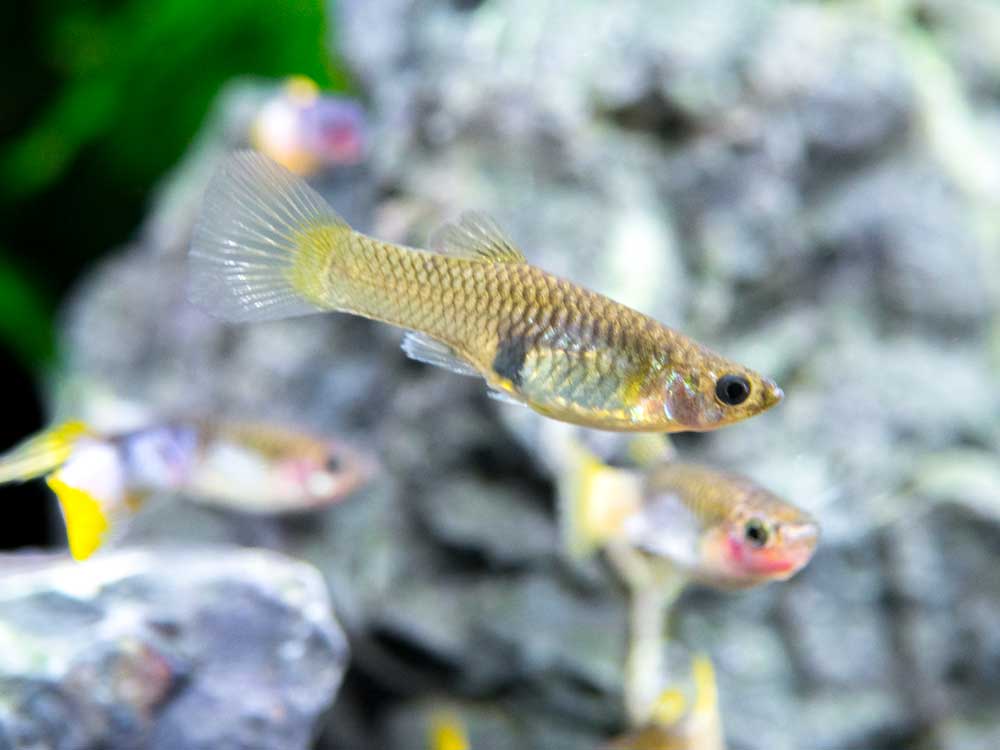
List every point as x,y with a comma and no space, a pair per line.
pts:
192,647
500,523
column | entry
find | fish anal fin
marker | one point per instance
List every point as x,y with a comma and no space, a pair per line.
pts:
425,349
476,236
86,522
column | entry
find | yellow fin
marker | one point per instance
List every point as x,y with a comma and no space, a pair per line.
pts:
476,236
706,690
86,523
447,732
669,708
41,453
594,501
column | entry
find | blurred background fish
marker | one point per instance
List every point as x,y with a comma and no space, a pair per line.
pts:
305,130
102,479
686,715
712,526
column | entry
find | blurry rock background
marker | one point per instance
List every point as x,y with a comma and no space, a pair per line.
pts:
811,188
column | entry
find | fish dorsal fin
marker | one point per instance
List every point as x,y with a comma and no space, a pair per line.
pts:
478,237
423,348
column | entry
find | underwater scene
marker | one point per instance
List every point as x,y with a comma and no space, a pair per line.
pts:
500,375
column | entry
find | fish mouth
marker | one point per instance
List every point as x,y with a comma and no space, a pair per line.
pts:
772,393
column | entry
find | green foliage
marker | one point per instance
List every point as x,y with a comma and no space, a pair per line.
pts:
138,79
105,97
25,316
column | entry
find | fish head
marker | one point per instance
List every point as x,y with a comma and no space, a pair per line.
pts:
327,474
706,391
761,538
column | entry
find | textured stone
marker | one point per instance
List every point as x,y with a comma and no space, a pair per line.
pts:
193,647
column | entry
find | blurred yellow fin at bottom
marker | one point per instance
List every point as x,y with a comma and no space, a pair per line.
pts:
447,732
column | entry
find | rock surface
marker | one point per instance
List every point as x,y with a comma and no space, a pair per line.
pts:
191,648
809,188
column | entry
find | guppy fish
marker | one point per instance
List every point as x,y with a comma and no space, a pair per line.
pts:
102,479
267,247
717,528
305,130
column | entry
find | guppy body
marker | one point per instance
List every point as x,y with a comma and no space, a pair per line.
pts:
268,247
565,350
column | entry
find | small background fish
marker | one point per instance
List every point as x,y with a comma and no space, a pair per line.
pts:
714,527
102,479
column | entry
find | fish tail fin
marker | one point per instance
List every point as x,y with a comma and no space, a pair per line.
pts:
576,489
447,732
594,500
265,244
706,688
87,521
41,454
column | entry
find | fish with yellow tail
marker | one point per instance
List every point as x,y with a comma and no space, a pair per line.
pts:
686,717
102,479
713,527
268,246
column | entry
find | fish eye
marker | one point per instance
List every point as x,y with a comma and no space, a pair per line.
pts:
756,532
333,464
732,389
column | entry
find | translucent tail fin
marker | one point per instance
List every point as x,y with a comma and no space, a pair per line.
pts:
41,454
263,247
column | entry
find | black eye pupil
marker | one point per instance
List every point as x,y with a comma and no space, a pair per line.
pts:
333,464
732,389
756,533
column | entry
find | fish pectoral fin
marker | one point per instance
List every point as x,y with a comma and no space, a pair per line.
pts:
478,237
423,348
504,396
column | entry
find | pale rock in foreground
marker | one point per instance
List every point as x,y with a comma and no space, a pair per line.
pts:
184,648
